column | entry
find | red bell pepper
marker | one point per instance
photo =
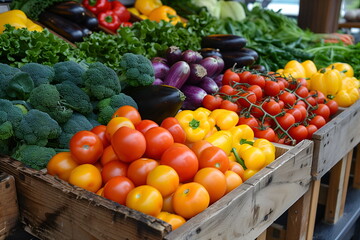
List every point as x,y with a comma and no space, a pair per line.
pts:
109,20
97,6
126,24
120,10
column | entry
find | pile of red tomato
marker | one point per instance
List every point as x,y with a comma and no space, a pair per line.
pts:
277,109
147,167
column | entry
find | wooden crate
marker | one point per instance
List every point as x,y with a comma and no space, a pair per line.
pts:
54,209
9,211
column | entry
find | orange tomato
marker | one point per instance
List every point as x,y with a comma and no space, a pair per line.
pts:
108,155
146,199
199,146
174,127
139,169
117,189
61,165
233,180
173,219
115,123
190,199
237,168
167,204
164,178
100,192
129,112
113,169
214,182
86,176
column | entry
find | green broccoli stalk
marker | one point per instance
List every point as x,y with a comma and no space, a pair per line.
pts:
10,116
36,128
46,98
34,156
69,71
39,73
77,122
6,74
101,81
74,97
136,70
20,86
108,106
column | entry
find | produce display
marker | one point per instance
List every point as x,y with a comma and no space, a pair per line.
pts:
190,95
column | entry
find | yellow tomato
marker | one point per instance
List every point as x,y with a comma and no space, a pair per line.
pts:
233,180
173,219
146,199
86,176
164,178
115,123
61,165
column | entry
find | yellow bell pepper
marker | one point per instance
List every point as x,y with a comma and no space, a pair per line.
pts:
146,6
267,148
224,119
241,132
346,97
294,69
195,124
309,67
343,68
165,13
326,81
31,26
221,139
17,19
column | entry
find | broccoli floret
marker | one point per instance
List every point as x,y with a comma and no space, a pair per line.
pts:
6,74
39,73
136,70
10,116
77,122
69,71
34,156
101,81
5,146
36,128
108,106
46,98
92,117
74,97
20,86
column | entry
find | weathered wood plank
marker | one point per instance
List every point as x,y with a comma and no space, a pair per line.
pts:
356,182
334,140
314,192
9,211
250,209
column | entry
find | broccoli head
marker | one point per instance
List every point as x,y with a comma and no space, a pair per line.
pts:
101,81
69,71
10,116
46,98
6,74
77,122
36,128
20,86
136,70
39,73
74,97
34,156
108,106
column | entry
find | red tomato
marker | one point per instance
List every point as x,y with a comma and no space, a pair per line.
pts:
228,105
214,182
255,79
174,127
113,169
129,112
139,169
117,189
227,89
286,120
303,111
128,144
257,111
145,125
311,129
230,77
271,88
199,146
298,115
86,147
108,155
212,102
302,92
158,139
333,106
318,121
115,123
272,107
288,98
246,99
257,90
250,121
299,133
214,157
322,110
182,159
311,100
267,133
100,131
244,76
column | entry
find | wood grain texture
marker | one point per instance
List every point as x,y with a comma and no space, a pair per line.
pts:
9,211
334,140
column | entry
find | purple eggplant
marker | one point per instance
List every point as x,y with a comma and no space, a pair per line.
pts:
209,52
197,72
211,65
158,81
209,85
221,65
218,80
160,69
178,74
191,56
194,97
173,54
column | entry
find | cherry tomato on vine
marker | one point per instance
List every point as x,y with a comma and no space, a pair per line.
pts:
173,126
272,107
299,133
145,125
257,90
271,88
298,115
255,79
267,133
246,99
86,147
129,112
257,111
113,169
227,90
311,129
61,165
318,121
250,121
212,102
100,130
288,98
244,76
229,105
215,157
333,106
230,77
322,110
302,92
310,100
303,111
286,120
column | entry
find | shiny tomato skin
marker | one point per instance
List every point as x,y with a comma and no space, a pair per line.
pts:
139,169
61,165
286,120
100,130
212,102
113,169
115,123
86,176
311,129
322,110
164,178
128,144
299,133
173,219
214,157
182,159
158,139
271,88
145,125
267,133
86,147
199,146
250,121
145,199
233,180
117,189
108,155
333,106
318,121
129,112
173,126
